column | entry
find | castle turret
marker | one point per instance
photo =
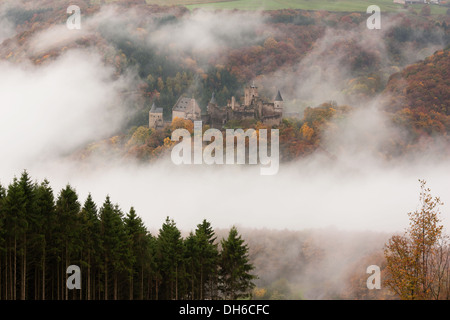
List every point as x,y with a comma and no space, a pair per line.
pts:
212,104
155,119
213,99
250,93
278,102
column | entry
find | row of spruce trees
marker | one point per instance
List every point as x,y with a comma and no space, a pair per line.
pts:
40,236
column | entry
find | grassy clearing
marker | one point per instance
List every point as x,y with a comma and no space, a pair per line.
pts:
328,5
183,2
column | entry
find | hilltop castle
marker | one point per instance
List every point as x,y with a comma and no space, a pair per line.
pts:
253,107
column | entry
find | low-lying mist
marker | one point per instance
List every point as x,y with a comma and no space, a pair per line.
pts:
338,209
49,111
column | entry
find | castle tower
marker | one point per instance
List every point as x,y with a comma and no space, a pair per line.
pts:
155,118
212,103
250,93
213,99
278,102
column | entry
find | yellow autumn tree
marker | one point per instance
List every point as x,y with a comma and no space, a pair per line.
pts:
306,132
168,143
180,123
418,261
259,293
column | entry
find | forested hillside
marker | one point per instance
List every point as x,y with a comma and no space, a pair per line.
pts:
269,49
419,98
358,103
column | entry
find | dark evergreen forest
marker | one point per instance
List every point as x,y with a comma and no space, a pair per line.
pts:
41,235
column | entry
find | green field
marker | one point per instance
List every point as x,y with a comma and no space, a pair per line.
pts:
327,5
338,5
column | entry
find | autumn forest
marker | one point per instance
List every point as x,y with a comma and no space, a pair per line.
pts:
363,142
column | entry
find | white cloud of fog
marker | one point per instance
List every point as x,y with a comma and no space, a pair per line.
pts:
312,193
326,68
202,31
50,110
207,31
6,27
56,36
323,70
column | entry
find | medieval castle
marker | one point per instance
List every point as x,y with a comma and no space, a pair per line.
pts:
253,107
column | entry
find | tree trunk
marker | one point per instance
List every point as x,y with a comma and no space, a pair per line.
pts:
1,288
43,273
157,289
65,272
106,280
201,282
131,287
6,274
1,281
36,286
24,269
93,286
192,282
11,281
15,269
89,277
115,286
142,282
53,286
58,286
176,282
150,289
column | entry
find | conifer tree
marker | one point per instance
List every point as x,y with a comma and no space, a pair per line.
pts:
115,246
140,252
207,258
191,255
169,255
123,257
90,233
44,223
15,227
2,241
152,267
67,210
109,240
236,281
31,223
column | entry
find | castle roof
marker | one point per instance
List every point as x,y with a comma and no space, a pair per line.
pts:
278,97
213,99
154,109
186,105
